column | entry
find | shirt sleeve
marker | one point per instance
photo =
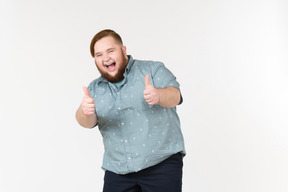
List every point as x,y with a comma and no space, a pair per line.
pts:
163,77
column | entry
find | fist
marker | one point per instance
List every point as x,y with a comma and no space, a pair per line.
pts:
88,104
151,94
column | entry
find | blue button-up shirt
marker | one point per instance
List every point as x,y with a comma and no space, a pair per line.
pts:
135,135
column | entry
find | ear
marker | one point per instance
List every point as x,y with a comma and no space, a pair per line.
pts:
124,49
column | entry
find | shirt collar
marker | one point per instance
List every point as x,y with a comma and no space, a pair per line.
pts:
130,63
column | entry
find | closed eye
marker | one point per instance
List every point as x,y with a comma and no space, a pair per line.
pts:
98,55
110,50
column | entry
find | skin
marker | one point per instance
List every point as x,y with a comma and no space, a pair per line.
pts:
108,51
167,97
111,60
85,114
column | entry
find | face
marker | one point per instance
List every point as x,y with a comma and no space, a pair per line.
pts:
110,59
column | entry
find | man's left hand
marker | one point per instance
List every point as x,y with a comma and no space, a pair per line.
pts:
151,93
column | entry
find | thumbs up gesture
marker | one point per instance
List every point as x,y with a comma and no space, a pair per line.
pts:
87,105
151,94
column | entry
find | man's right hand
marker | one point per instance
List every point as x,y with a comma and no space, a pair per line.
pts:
88,104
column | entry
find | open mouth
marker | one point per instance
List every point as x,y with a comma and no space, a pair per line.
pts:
111,66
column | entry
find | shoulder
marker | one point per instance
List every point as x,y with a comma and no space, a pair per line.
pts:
95,82
96,86
147,63
148,66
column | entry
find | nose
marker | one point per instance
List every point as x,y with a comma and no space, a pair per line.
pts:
106,57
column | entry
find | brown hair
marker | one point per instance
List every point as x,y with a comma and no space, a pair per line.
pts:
102,34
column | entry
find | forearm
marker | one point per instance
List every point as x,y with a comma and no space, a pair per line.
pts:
87,121
168,97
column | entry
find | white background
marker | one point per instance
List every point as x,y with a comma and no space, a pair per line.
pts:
229,56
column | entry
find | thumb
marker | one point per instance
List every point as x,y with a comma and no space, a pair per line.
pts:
147,82
86,91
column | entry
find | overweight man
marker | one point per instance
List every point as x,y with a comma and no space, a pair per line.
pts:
133,103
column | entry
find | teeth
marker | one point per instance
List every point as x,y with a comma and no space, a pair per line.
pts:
109,64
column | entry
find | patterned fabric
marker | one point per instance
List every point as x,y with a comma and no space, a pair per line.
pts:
135,135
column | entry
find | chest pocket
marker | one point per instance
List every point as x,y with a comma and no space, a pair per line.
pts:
104,105
132,95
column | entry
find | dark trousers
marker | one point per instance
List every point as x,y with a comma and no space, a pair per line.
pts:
163,177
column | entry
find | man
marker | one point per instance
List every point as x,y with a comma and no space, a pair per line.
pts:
134,105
